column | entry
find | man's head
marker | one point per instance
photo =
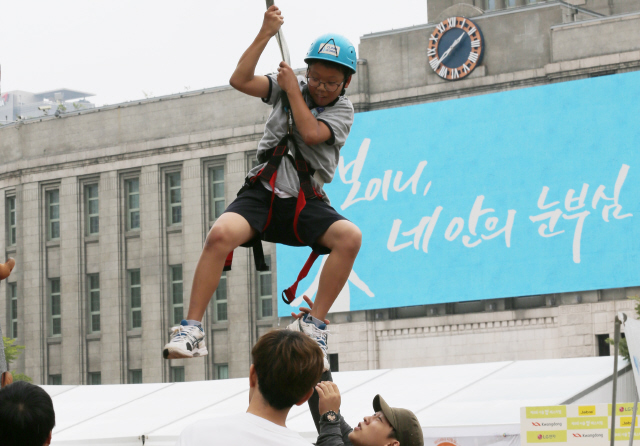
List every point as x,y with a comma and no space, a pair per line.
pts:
286,366
26,415
388,426
331,61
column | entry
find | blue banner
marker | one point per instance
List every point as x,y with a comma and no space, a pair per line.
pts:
518,193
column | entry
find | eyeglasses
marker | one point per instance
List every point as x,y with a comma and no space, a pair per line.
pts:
329,86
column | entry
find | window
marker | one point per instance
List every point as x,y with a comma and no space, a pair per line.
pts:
94,303
175,199
135,376
176,294
55,380
135,299
95,378
510,3
11,221
333,362
216,192
53,214
177,374
265,296
133,203
603,348
490,5
13,299
93,221
55,307
222,371
220,300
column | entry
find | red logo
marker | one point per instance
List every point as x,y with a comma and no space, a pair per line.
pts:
540,437
621,409
536,423
577,435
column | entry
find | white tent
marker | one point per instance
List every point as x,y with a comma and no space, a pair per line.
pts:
478,404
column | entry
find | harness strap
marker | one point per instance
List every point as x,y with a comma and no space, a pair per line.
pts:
228,262
300,204
289,294
272,183
258,256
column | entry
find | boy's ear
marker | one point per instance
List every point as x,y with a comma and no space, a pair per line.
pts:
305,397
348,81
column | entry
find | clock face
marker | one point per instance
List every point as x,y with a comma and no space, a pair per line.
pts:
455,48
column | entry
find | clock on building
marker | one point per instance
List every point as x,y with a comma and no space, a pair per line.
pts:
455,48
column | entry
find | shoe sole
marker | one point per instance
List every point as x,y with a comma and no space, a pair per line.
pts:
170,353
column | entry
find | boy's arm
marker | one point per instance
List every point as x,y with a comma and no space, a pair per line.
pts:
243,78
311,130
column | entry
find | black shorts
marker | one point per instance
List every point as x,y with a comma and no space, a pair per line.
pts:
314,220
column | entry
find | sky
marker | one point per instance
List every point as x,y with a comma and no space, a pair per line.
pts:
126,50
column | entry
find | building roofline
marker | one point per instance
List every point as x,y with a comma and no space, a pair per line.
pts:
489,14
600,18
116,106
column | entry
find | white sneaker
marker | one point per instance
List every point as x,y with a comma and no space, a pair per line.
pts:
317,334
187,341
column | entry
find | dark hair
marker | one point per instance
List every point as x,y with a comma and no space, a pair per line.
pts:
346,71
288,364
26,415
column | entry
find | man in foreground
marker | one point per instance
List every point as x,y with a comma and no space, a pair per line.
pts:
388,426
26,415
286,367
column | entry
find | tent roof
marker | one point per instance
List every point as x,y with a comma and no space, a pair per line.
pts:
484,397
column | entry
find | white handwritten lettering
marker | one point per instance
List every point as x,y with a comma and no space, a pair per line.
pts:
424,230
375,185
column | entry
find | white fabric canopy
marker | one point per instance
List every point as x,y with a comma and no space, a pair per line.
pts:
479,401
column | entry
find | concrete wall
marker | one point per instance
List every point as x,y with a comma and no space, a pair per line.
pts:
612,34
566,331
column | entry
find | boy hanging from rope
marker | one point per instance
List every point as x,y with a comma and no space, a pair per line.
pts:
283,200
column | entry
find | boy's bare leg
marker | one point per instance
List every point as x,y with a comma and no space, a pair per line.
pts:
344,239
229,231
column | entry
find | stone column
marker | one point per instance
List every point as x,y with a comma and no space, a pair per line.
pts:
112,303
154,328
241,305
71,293
193,218
34,321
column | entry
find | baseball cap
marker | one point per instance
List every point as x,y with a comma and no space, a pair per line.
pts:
405,423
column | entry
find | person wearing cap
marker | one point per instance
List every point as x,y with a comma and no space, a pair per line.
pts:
283,208
388,426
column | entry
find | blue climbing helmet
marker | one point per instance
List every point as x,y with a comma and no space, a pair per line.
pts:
333,48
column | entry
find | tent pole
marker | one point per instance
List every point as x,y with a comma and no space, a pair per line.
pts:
616,339
635,409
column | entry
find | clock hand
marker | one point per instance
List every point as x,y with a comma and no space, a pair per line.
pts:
452,47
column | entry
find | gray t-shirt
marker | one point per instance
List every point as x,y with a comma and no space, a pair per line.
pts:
322,157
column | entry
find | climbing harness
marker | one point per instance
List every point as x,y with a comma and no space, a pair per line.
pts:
269,173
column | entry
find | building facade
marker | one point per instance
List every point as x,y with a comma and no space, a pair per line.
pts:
106,212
